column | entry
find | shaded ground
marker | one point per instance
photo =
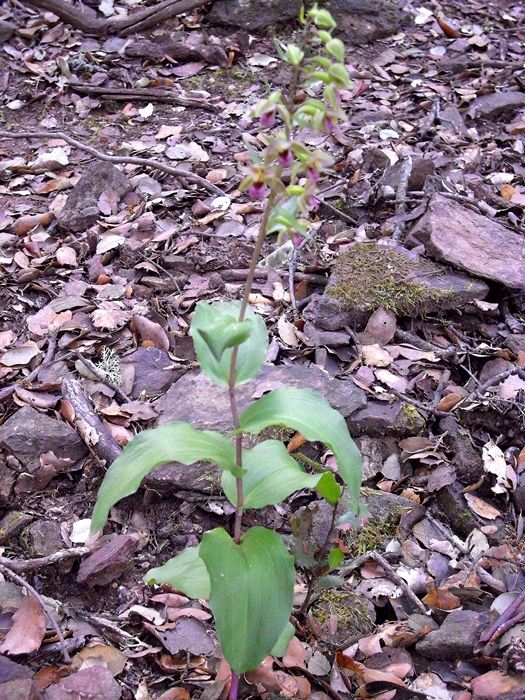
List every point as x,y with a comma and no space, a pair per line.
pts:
432,391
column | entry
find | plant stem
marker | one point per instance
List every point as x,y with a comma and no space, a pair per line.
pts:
234,687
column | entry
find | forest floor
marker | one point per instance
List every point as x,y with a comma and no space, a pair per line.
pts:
432,391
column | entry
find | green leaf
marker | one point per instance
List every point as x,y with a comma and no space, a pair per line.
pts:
251,592
186,572
227,332
308,412
335,557
175,441
217,318
339,75
281,646
322,19
272,475
328,487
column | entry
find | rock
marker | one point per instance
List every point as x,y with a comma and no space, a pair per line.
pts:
461,518
109,562
326,313
369,276
81,209
95,683
456,637
45,537
468,462
173,477
195,399
20,689
253,15
363,21
12,523
370,449
496,685
7,29
28,434
471,242
154,371
384,506
7,481
421,169
11,671
515,342
380,418
496,105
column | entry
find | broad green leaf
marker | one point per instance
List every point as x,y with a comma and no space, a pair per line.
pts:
251,593
251,353
176,441
227,332
272,475
281,646
335,557
186,572
308,412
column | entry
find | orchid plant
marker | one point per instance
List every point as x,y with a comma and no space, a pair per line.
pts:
248,576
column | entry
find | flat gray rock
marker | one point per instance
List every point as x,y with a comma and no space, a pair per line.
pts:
29,434
253,15
196,400
363,21
456,637
81,209
154,371
380,418
471,242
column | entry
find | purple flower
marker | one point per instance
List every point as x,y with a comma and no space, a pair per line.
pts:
296,239
268,118
285,157
313,203
313,174
328,125
257,190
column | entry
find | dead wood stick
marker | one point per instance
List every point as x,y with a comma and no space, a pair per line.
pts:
126,94
389,571
36,595
240,275
146,162
401,198
20,566
494,381
122,25
101,375
90,428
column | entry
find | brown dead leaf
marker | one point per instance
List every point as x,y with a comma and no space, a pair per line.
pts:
296,654
152,331
448,29
296,441
481,507
25,223
376,356
28,630
448,402
442,599
46,321
66,256
382,325
100,655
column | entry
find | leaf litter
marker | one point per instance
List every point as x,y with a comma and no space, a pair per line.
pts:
129,277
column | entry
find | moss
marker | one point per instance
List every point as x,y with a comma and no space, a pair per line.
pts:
368,276
372,535
410,419
348,608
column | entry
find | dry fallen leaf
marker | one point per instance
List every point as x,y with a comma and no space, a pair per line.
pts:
28,630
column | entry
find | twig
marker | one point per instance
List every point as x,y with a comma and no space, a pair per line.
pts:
52,343
442,353
8,572
504,622
380,559
417,404
340,215
401,197
146,162
127,94
292,267
439,390
20,566
478,393
101,375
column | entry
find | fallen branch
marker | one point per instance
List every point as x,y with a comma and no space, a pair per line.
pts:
121,94
121,26
146,162
89,426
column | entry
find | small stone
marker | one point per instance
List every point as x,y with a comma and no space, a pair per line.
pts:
95,683
20,689
380,418
253,15
154,372
7,480
45,537
11,671
109,562
456,637
81,209
12,523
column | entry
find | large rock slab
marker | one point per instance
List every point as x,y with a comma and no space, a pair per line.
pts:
28,434
471,242
369,276
363,21
195,399
253,15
